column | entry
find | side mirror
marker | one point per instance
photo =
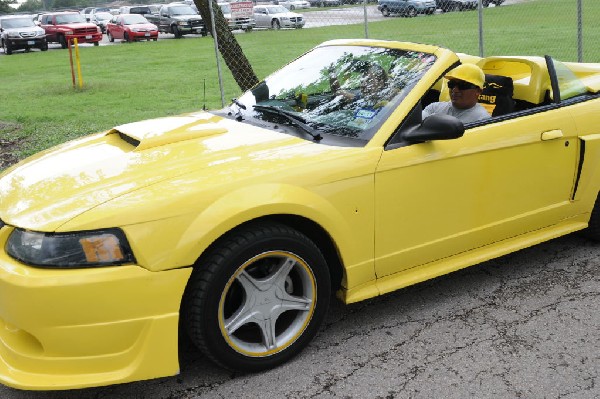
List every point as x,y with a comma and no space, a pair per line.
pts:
435,127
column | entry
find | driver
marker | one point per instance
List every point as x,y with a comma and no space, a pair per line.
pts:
465,83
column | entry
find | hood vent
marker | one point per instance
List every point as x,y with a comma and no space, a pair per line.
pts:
164,131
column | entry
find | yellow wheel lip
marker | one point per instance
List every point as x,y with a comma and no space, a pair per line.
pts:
308,271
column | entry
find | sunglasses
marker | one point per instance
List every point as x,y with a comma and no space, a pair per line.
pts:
460,85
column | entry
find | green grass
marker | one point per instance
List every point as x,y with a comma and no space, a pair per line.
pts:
126,82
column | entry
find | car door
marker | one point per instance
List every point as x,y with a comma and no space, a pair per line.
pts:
261,16
438,199
48,26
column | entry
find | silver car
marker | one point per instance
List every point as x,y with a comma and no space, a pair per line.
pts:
277,17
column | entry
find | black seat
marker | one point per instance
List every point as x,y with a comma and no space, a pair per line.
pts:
497,93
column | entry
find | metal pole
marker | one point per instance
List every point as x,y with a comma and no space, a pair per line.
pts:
579,31
480,12
214,34
366,19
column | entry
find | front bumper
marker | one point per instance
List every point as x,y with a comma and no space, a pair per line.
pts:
25,43
144,35
85,38
63,329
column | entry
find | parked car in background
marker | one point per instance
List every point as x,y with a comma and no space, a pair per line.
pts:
142,9
325,3
486,3
21,33
456,5
407,8
239,15
101,19
61,27
179,19
276,17
130,28
292,4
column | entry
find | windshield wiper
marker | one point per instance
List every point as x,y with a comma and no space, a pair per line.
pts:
293,119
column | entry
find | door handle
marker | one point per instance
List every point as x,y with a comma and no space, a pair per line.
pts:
552,134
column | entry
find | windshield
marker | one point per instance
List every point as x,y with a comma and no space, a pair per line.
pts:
103,16
182,10
70,19
134,19
277,10
17,23
346,91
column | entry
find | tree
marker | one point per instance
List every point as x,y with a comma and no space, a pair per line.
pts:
31,6
5,7
228,45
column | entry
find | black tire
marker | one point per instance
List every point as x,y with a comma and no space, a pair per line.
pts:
110,37
292,8
63,41
96,43
7,48
485,3
229,308
385,12
592,232
275,24
411,12
176,32
126,37
44,47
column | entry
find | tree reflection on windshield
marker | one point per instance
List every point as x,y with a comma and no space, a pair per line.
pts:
341,90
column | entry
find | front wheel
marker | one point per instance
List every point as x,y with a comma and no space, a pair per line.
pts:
258,298
7,48
385,12
275,24
412,12
176,32
63,41
111,38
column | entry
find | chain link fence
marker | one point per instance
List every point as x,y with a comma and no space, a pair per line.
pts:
564,29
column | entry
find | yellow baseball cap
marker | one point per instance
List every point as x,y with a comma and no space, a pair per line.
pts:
469,73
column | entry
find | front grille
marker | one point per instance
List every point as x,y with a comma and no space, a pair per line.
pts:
296,19
196,23
83,31
27,34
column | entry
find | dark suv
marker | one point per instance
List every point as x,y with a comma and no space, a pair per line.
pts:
20,33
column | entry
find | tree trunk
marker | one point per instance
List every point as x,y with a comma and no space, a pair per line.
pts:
228,46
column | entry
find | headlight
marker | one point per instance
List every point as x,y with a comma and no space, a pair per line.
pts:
14,34
70,250
284,18
69,32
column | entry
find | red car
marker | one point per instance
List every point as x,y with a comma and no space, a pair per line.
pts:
61,27
131,27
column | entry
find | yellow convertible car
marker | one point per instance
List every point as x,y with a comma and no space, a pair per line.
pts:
237,226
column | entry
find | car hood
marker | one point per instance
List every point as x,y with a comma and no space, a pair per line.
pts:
28,29
77,25
54,187
142,26
190,17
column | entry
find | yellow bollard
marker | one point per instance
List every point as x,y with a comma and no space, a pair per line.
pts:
78,62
